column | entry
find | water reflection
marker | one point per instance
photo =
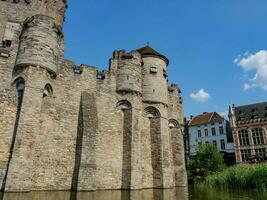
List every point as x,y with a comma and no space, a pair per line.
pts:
206,193
167,194
197,193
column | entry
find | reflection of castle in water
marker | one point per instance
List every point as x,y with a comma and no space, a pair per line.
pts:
180,193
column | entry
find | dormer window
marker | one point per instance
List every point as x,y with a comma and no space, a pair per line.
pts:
153,70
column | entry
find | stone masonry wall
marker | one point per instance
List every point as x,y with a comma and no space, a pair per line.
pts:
75,136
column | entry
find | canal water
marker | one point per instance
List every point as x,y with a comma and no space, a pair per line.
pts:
190,193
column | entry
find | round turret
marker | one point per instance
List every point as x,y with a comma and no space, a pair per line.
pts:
40,44
154,76
129,73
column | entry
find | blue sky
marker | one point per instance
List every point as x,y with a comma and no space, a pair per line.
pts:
202,39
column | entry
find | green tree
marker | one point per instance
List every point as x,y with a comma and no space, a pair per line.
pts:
207,161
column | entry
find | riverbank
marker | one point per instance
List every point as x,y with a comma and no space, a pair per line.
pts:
250,176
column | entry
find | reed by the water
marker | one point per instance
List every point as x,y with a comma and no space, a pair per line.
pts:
250,176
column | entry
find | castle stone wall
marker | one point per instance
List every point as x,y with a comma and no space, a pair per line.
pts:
77,128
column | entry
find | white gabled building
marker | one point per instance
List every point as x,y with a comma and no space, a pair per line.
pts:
210,128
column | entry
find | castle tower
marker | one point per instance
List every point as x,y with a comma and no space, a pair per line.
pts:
155,100
129,71
40,44
154,73
39,54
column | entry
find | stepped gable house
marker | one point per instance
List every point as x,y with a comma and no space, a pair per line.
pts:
249,126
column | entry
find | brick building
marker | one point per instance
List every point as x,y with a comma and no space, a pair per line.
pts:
249,127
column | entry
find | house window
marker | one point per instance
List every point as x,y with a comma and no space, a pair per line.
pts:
214,142
261,152
199,133
207,142
243,137
213,131
245,154
221,130
206,132
257,134
222,144
153,70
212,124
199,143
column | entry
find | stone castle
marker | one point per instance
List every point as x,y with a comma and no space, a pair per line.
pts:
68,127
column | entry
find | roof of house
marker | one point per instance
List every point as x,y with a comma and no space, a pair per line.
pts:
148,51
205,118
251,112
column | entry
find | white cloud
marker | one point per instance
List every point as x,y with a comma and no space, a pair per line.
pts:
256,63
200,96
248,86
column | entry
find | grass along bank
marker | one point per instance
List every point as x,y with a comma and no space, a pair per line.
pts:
249,176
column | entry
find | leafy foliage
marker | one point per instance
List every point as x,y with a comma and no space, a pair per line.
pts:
207,161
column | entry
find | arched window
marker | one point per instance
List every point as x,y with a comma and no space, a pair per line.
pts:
48,90
152,112
173,123
124,105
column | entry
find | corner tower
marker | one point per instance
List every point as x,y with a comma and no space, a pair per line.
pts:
39,54
154,73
